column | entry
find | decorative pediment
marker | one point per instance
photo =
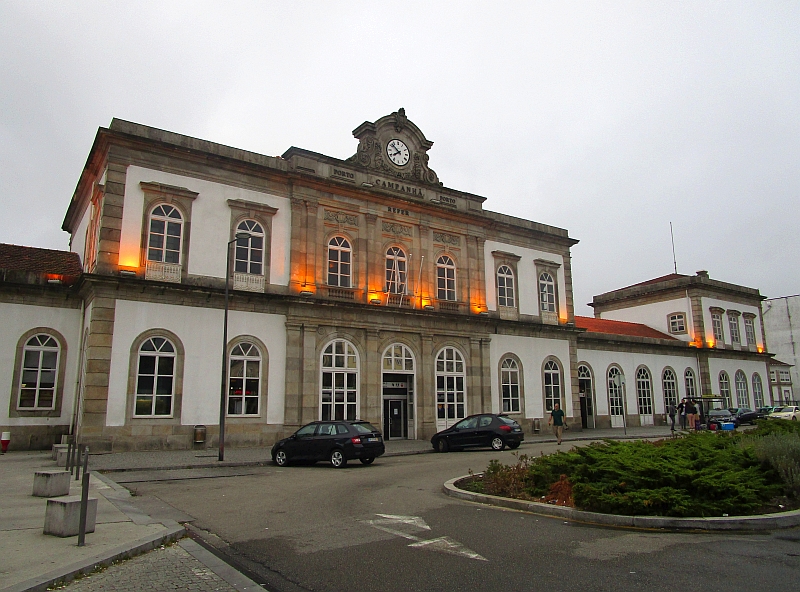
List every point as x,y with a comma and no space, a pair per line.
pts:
373,152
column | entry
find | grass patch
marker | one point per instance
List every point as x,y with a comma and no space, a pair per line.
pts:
704,474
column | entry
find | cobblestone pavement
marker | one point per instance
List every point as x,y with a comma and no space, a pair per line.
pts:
167,568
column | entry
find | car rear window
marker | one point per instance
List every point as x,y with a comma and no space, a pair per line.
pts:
364,427
507,420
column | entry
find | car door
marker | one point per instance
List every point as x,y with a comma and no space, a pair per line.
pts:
324,441
464,432
300,445
484,431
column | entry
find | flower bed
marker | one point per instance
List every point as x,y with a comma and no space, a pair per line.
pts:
698,475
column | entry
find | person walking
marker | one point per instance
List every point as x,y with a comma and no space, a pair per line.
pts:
691,412
682,413
557,421
671,411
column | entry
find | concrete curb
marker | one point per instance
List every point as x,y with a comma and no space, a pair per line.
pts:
738,523
70,572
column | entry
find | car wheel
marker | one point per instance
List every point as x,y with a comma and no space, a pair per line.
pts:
442,445
367,461
794,418
514,445
337,459
281,459
498,443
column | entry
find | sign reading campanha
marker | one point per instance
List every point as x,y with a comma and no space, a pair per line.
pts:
399,187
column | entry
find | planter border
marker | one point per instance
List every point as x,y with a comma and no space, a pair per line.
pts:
735,523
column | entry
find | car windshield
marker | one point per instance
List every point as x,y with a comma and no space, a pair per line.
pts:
719,412
777,409
364,427
507,420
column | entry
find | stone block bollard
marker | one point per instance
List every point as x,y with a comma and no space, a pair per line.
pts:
51,483
62,517
56,448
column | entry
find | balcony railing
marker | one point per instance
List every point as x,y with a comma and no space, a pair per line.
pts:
341,293
448,305
163,272
248,282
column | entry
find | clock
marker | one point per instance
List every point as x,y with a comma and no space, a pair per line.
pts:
397,152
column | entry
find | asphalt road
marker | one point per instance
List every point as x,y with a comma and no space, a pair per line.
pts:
388,527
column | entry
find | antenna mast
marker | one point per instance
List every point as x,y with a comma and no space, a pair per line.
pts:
674,262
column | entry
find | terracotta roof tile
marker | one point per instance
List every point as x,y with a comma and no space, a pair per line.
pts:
594,325
35,260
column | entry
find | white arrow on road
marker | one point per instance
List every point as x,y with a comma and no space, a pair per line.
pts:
441,544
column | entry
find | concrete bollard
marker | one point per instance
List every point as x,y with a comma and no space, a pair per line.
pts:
51,483
62,517
61,459
56,448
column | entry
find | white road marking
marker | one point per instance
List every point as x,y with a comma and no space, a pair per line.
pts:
447,545
414,520
441,544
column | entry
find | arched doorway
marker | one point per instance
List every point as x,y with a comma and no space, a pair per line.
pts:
397,392
586,392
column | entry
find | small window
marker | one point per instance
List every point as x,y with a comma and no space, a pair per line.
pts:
445,278
342,429
547,293
339,262
395,271
155,378
165,235
773,376
250,251
716,325
677,322
486,420
784,375
688,379
733,324
509,384
505,286
750,331
37,389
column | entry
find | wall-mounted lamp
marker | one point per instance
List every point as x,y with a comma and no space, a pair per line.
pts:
374,300
429,307
484,313
54,281
127,273
306,293
366,184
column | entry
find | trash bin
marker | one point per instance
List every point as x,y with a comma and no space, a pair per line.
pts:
199,434
537,425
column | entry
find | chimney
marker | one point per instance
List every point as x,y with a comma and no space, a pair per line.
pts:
702,273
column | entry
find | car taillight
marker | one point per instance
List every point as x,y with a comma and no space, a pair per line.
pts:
356,440
505,428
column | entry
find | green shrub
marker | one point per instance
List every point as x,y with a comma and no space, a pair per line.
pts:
781,451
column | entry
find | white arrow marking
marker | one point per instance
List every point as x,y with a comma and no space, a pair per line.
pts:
442,544
447,545
413,520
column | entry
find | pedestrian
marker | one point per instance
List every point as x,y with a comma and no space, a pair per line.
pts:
557,421
691,411
682,413
671,411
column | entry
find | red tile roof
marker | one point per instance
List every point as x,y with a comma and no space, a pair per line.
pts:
593,325
35,260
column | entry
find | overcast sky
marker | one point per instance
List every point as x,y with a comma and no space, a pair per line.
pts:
607,119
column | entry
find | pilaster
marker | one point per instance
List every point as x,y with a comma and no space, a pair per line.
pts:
110,230
426,390
372,391
310,363
294,375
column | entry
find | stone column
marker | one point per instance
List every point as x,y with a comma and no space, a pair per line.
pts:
299,256
110,230
427,264
294,375
371,257
371,391
475,377
568,287
571,378
486,376
310,365
316,268
426,390
480,272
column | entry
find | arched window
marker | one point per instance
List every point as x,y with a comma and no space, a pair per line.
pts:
725,389
395,271
339,262
339,397
244,380
616,392
688,379
758,391
250,251
547,292
398,358
509,385
670,383
165,235
155,378
586,390
37,388
505,286
742,396
552,385
644,391
445,278
450,390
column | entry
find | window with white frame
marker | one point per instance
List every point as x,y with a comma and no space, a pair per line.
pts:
552,385
716,325
155,378
509,385
244,380
339,262
398,358
615,391
395,271
38,378
250,250
742,396
445,278
165,235
688,380
784,375
670,384
725,389
733,324
450,379
677,322
547,292
750,330
758,391
339,397
773,377
505,286
644,391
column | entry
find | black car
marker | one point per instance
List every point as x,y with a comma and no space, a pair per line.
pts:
716,417
335,441
744,415
487,429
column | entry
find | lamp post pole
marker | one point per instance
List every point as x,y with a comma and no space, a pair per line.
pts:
224,385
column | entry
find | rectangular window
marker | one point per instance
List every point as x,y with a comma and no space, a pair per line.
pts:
772,377
784,374
677,323
750,331
716,324
733,323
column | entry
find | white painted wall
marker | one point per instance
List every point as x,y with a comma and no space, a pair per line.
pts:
717,365
782,326
77,241
211,217
527,284
600,361
200,331
655,315
532,353
708,303
19,318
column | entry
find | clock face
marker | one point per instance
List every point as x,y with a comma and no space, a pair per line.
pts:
397,152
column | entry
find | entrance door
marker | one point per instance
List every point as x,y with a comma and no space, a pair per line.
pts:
395,425
586,389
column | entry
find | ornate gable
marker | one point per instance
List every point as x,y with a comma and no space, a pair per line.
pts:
394,146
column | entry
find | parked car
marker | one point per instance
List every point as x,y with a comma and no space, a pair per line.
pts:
335,441
745,415
716,417
765,411
486,429
789,412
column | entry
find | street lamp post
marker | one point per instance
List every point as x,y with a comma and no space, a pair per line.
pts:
224,386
